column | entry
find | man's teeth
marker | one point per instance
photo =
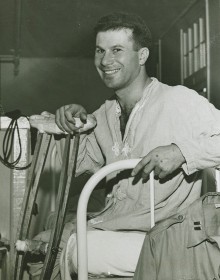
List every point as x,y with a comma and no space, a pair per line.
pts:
111,71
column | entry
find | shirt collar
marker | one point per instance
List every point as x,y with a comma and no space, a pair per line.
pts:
196,222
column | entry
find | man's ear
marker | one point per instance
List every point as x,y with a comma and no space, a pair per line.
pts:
143,55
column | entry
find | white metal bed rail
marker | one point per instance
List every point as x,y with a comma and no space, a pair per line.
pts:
82,209
217,178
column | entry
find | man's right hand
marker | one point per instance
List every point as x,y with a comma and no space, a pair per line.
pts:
65,117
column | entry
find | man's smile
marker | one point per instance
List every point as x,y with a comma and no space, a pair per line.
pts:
110,72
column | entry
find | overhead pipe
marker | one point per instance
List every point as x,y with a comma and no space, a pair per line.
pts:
15,58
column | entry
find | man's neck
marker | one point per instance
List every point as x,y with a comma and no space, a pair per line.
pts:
128,97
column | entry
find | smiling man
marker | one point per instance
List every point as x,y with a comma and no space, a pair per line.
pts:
172,129
118,61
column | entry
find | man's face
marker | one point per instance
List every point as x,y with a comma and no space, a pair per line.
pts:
116,59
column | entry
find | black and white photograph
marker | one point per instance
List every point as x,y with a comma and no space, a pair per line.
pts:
110,139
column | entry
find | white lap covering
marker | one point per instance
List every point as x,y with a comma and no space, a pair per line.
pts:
109,253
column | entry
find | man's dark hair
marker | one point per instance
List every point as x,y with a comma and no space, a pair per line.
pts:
116,21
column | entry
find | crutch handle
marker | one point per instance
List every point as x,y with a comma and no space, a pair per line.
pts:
45,123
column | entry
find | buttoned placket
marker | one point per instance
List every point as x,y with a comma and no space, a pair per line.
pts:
124,145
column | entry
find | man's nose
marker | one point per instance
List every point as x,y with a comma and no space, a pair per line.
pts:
107,58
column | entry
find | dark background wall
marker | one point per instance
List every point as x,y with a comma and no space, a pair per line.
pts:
54,40
44,84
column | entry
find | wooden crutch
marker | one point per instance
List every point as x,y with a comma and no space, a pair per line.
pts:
38,161
47,124
68,170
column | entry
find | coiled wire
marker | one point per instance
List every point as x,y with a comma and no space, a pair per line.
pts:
8,141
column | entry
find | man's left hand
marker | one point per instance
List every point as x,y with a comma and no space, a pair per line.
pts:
163,160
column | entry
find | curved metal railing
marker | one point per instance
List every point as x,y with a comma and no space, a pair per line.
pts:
82,209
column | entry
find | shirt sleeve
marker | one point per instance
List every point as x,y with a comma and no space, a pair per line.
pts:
90,157
146,266
199,133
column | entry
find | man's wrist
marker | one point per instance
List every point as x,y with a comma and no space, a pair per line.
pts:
178,154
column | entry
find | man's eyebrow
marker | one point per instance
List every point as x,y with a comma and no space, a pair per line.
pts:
112,47
117,46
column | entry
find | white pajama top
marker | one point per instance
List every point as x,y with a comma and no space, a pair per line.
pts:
163,116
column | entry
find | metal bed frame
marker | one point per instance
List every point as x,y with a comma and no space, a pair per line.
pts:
82,209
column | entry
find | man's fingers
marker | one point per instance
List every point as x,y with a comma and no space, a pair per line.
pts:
69,116
140,166
147,170
58,118
163,174
62,122
164,160
157,171
83,117
76,111
145,166
65,117
66,125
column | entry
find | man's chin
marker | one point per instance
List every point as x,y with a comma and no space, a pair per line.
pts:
110,84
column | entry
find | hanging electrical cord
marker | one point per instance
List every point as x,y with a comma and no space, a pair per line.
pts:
8,141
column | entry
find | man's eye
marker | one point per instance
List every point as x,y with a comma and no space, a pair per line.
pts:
99,51
116,50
